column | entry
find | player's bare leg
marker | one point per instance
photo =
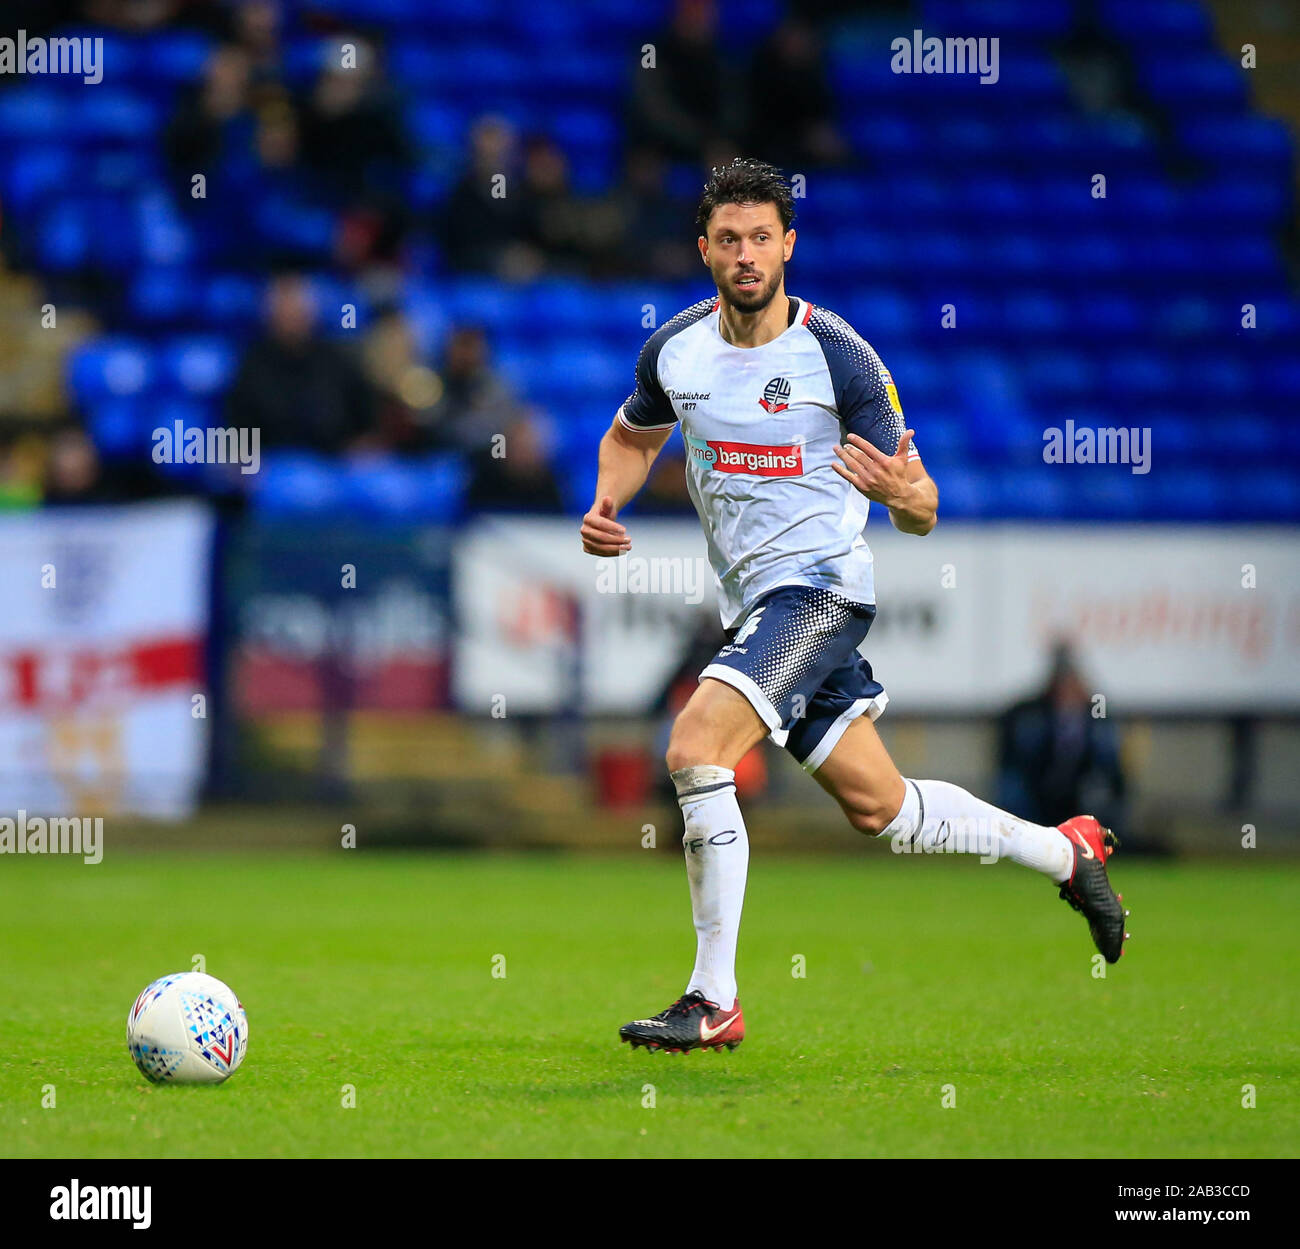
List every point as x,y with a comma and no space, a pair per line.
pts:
935,815
714,731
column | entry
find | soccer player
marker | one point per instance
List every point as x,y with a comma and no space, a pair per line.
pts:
791,424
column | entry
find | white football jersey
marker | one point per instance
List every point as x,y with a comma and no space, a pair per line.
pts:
759,424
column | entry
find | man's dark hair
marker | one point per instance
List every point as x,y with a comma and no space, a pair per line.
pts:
745,181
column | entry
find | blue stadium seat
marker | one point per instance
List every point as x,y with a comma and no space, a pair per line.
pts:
590,138
110,113
1261,145
112,365
430,489
232,301
1167,23
1105,315
482,300
437,124
1187,493
163,414
172,57
164,294
1055,373
1008,19
1106,491
970,492
306,56
119,426
1035,493
36,109
1035,314
297,483
1200,82
1175,439
1134,373
1260,202
1282,378
65,236
201,366
31,173
1270,493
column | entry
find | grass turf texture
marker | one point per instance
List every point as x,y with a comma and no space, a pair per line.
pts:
376,972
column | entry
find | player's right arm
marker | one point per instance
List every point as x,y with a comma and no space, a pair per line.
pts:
627,451
624,465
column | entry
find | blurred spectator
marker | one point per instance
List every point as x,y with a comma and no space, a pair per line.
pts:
351,130
355,144
1055,758
640,229
482,221
266,211
20,472
475,402
74,473
212,120
298,389
552,218
513,472
688,99
276,139
256,27
408,390
790,104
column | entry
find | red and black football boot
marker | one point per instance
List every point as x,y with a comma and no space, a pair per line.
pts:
690,1023
1088,887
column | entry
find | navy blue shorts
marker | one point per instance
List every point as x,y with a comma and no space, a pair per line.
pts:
794,656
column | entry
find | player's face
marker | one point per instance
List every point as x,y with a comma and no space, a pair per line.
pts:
746,250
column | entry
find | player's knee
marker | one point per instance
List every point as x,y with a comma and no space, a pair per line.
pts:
684,753
870,818
687,746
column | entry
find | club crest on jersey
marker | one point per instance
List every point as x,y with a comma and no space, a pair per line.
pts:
776,395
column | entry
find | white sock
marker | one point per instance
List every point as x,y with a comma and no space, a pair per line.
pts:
717,862
939,817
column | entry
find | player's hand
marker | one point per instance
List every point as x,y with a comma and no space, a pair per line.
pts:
882,478
601,533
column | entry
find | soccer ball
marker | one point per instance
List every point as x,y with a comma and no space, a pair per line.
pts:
187,1028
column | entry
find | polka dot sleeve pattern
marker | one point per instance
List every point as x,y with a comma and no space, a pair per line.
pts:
864,390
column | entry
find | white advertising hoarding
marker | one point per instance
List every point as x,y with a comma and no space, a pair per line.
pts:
1165,618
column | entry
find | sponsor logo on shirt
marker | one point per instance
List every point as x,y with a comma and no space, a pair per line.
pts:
747,457
776,395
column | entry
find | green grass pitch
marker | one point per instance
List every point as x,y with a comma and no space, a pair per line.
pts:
924,981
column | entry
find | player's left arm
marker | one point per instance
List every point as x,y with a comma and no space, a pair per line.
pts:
897,481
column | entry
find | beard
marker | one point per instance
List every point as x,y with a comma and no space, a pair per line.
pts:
754,298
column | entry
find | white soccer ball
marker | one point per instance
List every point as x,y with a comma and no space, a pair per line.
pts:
187,1028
